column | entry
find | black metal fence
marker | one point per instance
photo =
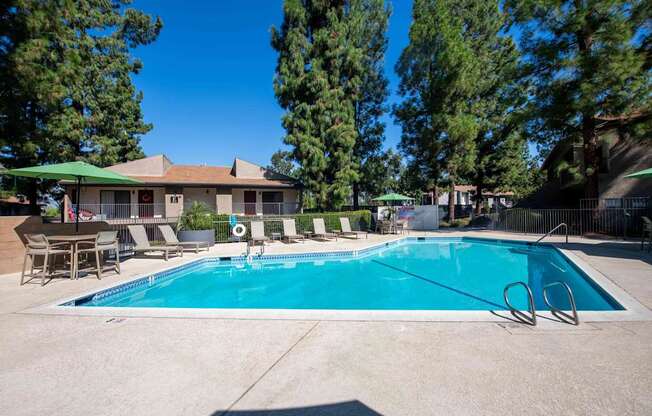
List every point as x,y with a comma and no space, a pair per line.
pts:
618,222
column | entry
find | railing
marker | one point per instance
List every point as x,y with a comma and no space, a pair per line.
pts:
620,222
532,317
563,224
103,212
572,318
265,208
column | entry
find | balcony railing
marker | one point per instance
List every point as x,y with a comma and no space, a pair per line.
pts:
265,208
101,212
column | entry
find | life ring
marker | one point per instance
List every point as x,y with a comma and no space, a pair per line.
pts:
239,230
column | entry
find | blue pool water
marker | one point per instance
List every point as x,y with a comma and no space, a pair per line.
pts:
433,274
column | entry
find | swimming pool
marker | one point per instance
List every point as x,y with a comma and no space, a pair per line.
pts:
410,274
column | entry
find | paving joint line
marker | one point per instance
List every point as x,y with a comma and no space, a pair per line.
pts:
285,354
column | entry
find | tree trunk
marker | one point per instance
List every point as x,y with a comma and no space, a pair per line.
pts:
589,134
451,202
591,157
356,194
478,199
31,192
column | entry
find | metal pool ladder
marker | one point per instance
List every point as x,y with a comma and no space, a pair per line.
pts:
563,224
572,318
530,319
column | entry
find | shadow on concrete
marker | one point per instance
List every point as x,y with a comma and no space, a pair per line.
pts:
350,408
611,249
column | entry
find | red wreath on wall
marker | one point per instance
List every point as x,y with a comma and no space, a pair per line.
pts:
146,198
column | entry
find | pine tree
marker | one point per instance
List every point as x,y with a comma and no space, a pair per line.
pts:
439,76
317,81
281,162
66,81
589,62
501,148
368,25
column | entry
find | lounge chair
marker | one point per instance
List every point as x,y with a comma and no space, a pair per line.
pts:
172,240
290,231
320,229
142,244
258,233
346,229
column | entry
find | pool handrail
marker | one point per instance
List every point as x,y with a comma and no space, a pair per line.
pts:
574,318
563,224
531,320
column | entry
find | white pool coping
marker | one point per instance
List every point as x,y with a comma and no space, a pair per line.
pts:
634,310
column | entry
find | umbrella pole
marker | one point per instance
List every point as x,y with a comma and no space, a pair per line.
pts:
77,204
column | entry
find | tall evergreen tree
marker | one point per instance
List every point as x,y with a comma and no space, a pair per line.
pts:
368,25
322,59
439,76
281,162
66,81
589,62
501,148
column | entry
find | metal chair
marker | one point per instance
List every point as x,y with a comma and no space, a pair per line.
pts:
38,245
104,241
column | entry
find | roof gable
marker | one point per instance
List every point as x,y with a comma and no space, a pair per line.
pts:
149,166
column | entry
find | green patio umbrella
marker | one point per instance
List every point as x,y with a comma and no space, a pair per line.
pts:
74,171
645,173
392,197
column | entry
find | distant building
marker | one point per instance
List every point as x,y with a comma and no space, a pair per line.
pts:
243,188
619,156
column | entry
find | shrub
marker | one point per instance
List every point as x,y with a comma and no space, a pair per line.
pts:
198,217
360,220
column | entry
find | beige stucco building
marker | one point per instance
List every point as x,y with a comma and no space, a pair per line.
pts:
244,188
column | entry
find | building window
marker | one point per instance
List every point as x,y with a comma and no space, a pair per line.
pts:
273,203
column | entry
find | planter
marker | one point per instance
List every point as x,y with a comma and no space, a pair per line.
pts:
197,235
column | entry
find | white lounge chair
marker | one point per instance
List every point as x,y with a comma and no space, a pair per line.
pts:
142,244
290,231
346,229
172,240
258,233
319,229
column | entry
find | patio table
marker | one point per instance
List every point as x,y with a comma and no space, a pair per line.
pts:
73,239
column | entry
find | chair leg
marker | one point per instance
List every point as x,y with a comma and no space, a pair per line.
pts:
72,267
45,269
98,264
117,260
166,255
22,275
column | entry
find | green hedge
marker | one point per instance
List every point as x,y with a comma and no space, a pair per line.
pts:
360,220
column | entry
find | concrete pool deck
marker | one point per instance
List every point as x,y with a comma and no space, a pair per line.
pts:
111,365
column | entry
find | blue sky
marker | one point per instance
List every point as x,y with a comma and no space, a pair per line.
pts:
207,80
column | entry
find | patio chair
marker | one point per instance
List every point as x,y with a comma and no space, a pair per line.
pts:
647,232
258,233
290,231
38,245
142,244
172,240
346,229
104,241
320,229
